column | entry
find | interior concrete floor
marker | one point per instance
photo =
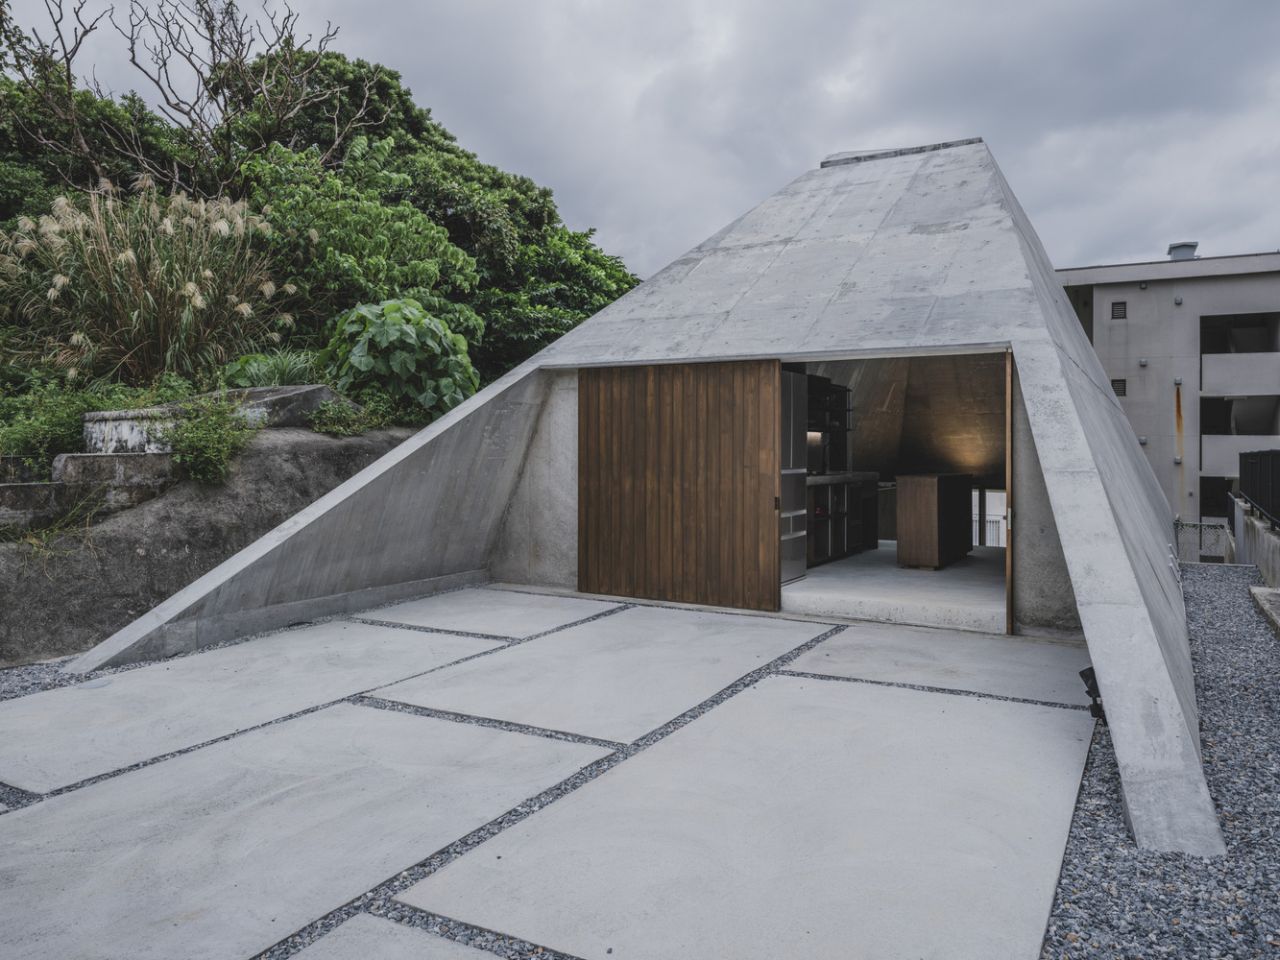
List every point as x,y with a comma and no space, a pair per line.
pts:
769,787
968,595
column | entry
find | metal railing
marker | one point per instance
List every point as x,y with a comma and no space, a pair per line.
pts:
1260,482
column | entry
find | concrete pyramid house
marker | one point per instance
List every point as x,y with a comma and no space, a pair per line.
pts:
877,256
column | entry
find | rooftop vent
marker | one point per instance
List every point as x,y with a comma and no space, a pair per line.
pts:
1183,250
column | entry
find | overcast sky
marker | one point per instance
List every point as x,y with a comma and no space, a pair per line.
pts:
1122,125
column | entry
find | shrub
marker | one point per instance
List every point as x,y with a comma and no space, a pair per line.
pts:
208,433
342,242
377,410
281,367
132,287
398,347
47,419
342,420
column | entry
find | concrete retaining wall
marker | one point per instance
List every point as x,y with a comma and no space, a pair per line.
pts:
1261,545
82,587
84,487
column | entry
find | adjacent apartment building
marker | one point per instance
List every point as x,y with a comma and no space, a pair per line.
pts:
1192,347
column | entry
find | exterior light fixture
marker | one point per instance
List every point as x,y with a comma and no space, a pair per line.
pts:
1142,361
1142,285
1177,301
1142,441
1177,381
1177,459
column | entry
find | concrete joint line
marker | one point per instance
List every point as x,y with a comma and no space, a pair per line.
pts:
510,641
928,689
661,605
406,878
478,938
378,703
577,623
396,625
14,798
352,697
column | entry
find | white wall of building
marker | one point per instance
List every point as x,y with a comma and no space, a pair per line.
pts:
1155,349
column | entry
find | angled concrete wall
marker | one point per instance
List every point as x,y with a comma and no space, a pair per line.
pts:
423,517
1116,528
538,542
1044,601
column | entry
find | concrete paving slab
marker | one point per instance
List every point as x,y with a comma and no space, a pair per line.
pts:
366,937
498,613
224,851
1023,667
615,678
968,595
802,818
59,737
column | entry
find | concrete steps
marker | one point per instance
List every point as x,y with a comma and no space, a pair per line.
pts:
84,486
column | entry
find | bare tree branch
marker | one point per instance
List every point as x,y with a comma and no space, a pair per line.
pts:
46,70
230,83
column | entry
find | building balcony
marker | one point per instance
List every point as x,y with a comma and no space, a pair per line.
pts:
1239,374
1220,455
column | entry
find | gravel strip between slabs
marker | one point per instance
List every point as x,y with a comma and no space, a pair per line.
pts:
1115,901
380,901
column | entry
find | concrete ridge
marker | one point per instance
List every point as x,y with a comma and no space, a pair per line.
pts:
854,156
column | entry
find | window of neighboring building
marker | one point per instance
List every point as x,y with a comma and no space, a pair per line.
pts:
1215,496
1119,310
1215,416
1240,333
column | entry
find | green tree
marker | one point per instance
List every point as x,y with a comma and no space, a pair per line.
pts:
553,285
342,242
374,199
535,278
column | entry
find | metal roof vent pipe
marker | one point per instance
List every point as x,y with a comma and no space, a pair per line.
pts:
1183,250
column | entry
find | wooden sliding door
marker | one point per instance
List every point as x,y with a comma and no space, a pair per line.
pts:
678,482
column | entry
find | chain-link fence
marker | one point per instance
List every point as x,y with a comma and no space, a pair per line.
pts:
1205,542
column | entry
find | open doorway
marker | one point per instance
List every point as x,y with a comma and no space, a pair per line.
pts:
895,479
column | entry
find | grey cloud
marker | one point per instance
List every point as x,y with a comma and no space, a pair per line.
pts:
1122,126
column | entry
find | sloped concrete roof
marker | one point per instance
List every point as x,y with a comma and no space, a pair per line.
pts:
926,250
903,252
880,253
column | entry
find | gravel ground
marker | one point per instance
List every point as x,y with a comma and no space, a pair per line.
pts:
1115,901
32,678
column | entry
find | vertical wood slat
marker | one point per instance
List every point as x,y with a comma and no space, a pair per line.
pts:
677,482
